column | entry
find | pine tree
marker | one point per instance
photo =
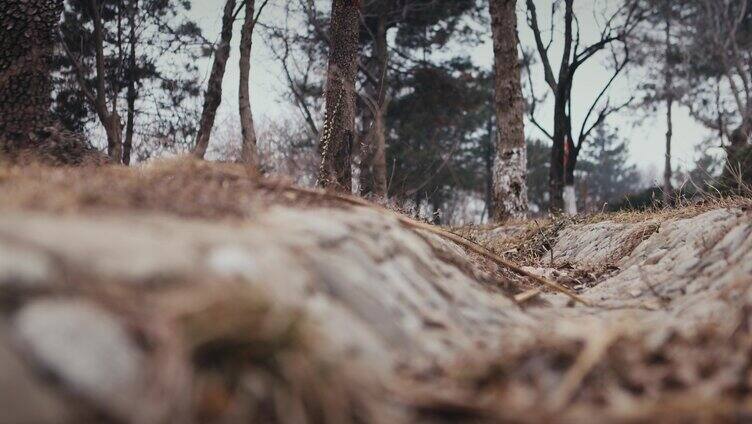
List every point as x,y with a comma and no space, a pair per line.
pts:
609,176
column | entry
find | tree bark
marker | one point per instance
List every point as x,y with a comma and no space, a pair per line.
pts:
339,127
570,164
213,95
249,153
488,160
373,154
510,164
27,34
559,154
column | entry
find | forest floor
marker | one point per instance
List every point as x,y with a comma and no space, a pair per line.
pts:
195,292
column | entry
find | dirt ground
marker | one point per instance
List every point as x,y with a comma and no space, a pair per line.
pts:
196,292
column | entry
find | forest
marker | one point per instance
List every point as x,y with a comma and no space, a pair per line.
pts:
427,127
364,211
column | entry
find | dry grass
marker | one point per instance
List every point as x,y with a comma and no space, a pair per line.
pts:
182,187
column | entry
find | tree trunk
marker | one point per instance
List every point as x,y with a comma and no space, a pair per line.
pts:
129,124
668,191
570,164
213,95
510,165
488,162
109,119
249,153
557,170
27,34
373,154
114,131
339,127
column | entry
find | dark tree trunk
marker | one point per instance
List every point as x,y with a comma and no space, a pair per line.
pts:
131,96
109,119
557,171
373,152
510,165
27,34
339,127
213,95
249,153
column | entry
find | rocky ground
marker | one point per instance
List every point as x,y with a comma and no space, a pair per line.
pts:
191,292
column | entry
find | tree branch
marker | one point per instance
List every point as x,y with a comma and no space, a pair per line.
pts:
79,71
532,21
605,112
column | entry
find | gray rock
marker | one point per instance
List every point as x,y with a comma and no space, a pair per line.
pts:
87,348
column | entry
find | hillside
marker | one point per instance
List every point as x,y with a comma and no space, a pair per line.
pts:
186,291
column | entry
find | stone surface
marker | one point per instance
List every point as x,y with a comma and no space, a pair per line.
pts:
379,297
87,348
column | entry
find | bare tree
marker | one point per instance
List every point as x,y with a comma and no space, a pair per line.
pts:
724,24
566,147
510,161
27,31
338,133
108,114
213,95
373,174
249,153
668,190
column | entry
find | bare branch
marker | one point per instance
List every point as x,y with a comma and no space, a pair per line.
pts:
532,21
80,76
606,110
533,101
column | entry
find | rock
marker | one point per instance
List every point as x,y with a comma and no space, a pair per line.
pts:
87,348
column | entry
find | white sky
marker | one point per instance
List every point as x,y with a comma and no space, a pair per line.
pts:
645,133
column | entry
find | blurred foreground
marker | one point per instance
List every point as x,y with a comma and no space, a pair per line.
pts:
193,292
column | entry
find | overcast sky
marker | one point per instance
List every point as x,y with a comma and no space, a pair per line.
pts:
645,133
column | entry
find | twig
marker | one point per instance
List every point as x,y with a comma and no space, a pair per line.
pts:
595,348
527,295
